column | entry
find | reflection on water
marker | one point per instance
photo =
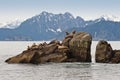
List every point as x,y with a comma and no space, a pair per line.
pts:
77,65
54,71
60,71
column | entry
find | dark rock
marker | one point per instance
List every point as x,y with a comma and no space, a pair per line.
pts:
105,53
116,57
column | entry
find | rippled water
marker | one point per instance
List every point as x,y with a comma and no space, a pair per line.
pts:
54,71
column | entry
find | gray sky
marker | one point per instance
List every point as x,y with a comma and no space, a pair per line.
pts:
88,9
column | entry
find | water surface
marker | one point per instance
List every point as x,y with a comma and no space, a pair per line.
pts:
54,71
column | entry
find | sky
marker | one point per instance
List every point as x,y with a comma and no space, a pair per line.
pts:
11,10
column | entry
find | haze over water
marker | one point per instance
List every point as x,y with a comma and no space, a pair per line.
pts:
54,71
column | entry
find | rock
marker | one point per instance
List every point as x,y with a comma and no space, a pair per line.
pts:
55,42
62,47
75,47
54,57
67,39
25,57
79,45
105,53
41,53
116,57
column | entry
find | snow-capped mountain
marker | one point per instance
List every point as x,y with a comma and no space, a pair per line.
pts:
11,25
53,22
102,18
111,18
107,18
46,26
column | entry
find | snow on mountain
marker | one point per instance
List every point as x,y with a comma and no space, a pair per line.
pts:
46,26
52,30
59,30
102,18
109,18
55,22
11,25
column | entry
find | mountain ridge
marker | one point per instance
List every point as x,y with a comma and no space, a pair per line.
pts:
46,26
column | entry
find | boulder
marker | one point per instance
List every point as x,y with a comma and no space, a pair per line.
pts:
105,53
79,44
116,57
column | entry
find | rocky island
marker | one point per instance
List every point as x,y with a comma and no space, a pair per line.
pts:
75,47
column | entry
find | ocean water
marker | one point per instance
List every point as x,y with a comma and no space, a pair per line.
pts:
55,71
